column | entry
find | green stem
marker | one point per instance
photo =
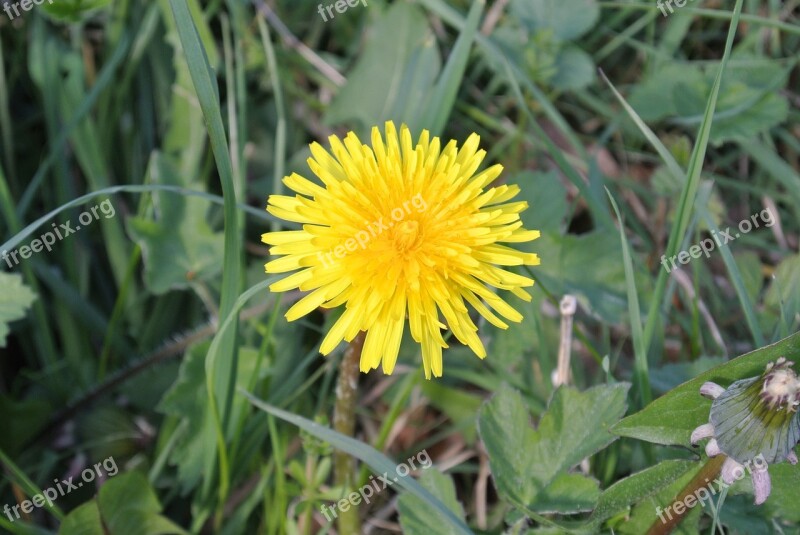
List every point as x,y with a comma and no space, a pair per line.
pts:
344,421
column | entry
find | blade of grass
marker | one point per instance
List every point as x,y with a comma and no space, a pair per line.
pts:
737,281
280,130
18,476
216,199
44,342
6,132
217,348
692,181
777,168
641,373
443,98
103,82
365,453
689,192
21,528
221,373
452,17
719,14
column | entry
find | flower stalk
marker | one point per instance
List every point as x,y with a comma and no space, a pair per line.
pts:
709,472
344,421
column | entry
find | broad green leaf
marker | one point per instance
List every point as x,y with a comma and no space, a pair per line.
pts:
546,197
748,101
394,75
671,418
417,516
373,458
178,245
634,488
567,18
126,505
574,69
748,116
15,300
587,266
129,506
84,520
524,460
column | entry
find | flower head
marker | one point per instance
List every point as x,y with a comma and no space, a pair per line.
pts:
754,421
400,230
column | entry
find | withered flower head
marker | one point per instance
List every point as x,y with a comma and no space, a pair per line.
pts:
754,421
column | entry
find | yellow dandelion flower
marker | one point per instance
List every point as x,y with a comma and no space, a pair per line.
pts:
400,231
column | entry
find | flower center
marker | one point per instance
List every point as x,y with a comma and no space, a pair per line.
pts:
406,236
781,387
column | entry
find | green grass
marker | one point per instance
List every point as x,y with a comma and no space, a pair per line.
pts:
153,337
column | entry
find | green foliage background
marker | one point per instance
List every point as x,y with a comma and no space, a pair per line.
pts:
150,336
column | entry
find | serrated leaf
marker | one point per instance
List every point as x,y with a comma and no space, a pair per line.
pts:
525,461
417,516
15,300
671,418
